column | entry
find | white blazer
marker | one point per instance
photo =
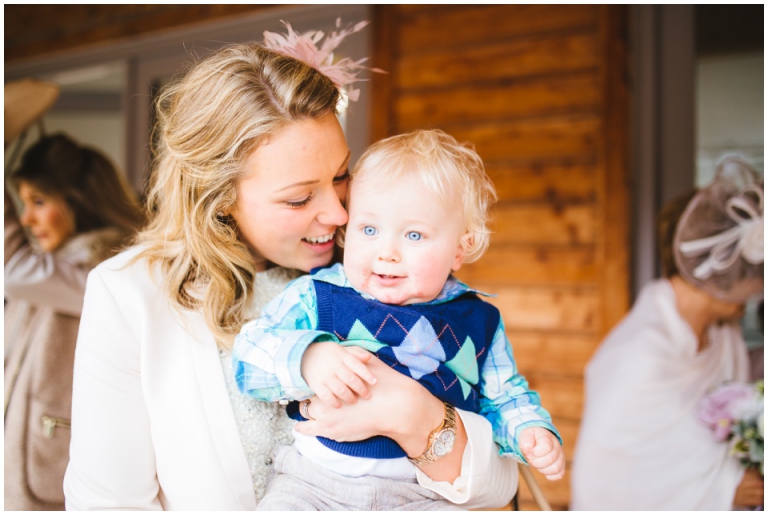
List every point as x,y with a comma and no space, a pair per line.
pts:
152,423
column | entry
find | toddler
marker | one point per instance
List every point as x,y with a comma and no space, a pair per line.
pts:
418,208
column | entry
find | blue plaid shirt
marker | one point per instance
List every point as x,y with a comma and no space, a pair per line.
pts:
268,351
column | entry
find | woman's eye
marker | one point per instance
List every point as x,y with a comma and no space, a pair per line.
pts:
299,203
343,177
413,236
369,231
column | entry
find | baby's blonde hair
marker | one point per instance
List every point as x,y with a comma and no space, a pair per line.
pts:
209,122
446,167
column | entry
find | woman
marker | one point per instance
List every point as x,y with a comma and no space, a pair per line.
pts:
251,166
641,444
78,213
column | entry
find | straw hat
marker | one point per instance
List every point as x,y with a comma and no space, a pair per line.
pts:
26,100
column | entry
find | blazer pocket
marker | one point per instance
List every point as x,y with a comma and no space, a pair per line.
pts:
48,435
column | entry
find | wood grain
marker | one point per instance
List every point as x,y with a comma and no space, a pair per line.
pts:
531,265
552,56
556,309
442,28
490,102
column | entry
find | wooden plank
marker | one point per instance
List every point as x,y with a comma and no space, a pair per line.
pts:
543,224
557,355
442,28
501,61
616,216
526,265
557,309
562,139
544,97
384,33
561,396
555,184
97,24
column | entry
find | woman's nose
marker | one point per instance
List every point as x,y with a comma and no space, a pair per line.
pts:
26,217
333,212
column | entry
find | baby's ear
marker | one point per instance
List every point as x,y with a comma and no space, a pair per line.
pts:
465,243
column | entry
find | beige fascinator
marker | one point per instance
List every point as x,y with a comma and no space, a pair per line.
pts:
26,100
719,240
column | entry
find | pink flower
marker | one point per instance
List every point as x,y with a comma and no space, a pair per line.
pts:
722,407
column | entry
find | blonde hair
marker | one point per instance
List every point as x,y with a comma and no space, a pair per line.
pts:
208,124
446,167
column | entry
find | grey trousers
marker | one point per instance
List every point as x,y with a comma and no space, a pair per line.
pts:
297,484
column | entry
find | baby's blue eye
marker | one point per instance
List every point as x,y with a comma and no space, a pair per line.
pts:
369,231
413,236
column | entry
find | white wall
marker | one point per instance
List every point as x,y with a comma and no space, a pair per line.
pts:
103,131
729,110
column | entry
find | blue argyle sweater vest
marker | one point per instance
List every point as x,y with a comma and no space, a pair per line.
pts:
443,346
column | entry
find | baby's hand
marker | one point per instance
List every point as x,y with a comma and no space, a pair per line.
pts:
337,373
543,452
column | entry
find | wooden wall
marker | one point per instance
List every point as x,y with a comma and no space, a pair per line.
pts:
540,91
32,30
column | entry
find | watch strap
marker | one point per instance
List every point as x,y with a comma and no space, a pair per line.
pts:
448,424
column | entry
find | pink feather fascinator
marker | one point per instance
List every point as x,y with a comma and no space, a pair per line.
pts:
305,48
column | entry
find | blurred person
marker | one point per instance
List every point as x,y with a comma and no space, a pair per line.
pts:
641,445
76,212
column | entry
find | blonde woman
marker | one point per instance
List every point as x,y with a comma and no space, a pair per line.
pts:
251,166
77,213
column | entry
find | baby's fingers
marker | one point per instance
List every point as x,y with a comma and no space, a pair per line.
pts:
355,384
325,394
357,366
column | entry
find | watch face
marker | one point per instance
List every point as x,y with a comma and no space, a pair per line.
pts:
444,442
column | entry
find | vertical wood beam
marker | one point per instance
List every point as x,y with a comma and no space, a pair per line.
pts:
615,201
384,56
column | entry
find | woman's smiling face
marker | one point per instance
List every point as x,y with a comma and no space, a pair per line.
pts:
48,217
289,202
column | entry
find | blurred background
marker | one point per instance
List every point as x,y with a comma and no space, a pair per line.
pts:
589,118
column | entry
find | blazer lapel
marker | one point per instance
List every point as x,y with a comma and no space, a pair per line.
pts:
221,419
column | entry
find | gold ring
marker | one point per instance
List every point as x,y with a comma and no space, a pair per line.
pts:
304,409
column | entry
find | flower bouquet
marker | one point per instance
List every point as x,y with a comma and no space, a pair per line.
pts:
735,412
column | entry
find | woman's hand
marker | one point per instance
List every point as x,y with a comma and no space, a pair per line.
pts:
400,408
750,490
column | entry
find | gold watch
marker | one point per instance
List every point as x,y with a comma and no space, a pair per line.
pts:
441,440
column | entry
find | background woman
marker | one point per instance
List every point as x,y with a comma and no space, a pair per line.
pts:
78,213
251,166
641,445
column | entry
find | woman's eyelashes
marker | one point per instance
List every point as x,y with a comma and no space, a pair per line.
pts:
343,177
300,203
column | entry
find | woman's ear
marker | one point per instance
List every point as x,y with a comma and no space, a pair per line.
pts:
465,242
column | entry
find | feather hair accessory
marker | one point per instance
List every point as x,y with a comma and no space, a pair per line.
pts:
304,48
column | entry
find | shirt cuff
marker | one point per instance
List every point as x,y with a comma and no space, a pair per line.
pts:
288,362
487,480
